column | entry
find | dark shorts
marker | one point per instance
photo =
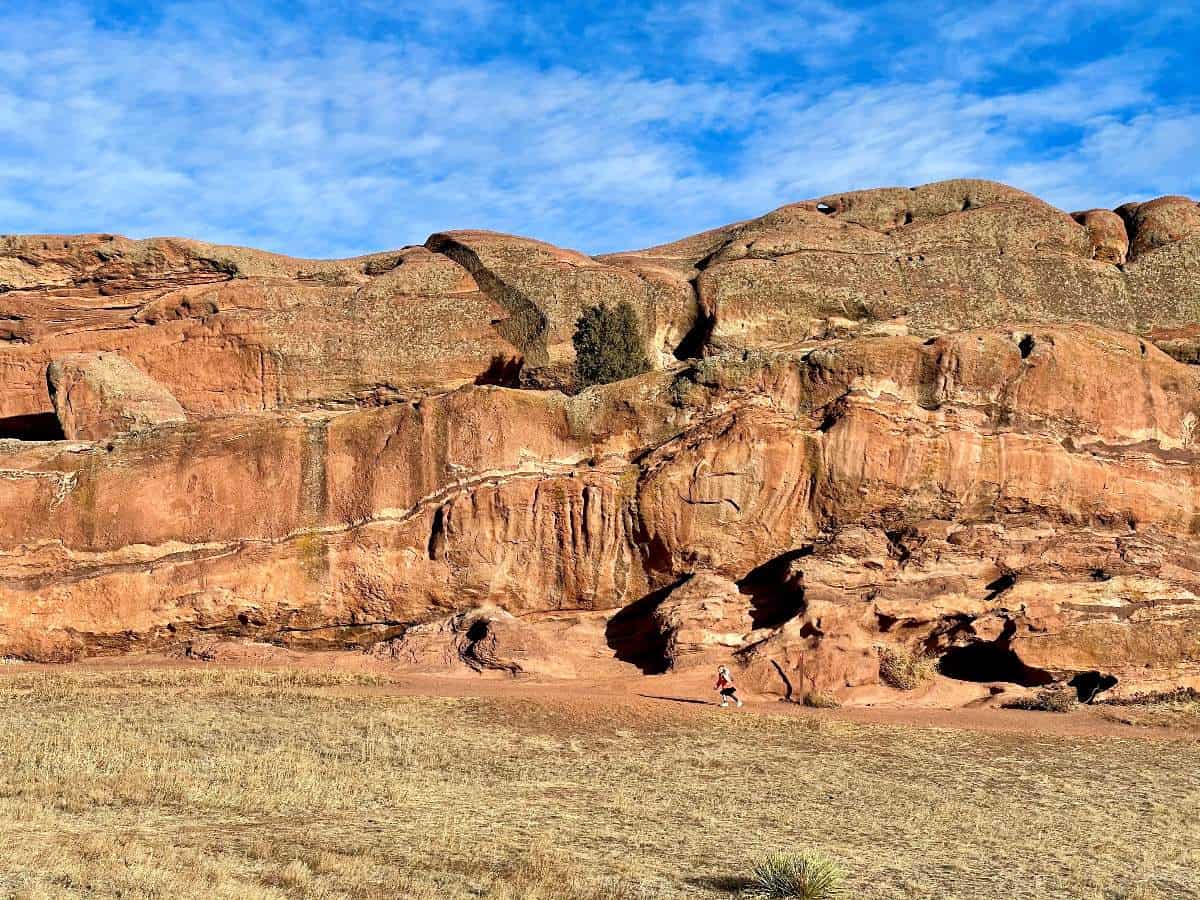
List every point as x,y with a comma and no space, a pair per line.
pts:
728,692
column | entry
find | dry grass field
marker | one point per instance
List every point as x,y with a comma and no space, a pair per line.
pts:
221,783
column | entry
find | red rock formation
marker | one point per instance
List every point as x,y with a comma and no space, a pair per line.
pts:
1107,234
699,619
98,395
1013,486
1159,223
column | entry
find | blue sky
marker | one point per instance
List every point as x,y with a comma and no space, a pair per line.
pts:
328,128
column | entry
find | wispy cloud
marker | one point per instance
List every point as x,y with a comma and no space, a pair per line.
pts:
345,127
734,31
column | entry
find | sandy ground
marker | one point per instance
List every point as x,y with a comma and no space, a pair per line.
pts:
646,700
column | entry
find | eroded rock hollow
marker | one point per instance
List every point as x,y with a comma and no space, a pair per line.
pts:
950,420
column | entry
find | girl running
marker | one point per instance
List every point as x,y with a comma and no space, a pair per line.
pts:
726,688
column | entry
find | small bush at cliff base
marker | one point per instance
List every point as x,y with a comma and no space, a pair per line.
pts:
608,345
1050,700
904,669
821,700
808,876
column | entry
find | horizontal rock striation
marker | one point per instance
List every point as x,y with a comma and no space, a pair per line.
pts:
933,420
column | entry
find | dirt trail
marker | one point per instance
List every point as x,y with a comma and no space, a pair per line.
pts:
649,701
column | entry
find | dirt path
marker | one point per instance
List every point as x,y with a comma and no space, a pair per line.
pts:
650,701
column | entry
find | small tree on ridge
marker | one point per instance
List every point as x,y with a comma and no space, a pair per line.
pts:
608,344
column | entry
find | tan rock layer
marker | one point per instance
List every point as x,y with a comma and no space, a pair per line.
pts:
227,329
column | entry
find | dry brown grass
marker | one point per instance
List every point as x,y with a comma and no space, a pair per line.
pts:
256,785
904,668
1168,709
1057,700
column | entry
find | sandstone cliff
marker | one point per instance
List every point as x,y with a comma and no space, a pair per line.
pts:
936,419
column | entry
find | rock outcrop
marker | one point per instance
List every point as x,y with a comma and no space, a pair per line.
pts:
490,640
99,395
935,418
699,619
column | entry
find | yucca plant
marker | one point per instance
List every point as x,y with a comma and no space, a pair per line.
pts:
806,876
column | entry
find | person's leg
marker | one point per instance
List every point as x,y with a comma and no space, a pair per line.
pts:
737,699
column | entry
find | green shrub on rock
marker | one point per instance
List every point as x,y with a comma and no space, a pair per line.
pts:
608,344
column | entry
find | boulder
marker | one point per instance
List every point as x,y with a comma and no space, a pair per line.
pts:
1106,233
488,639
99,395
1160,222
824,650
701,621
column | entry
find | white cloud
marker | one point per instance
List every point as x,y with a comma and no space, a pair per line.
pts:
261,134
237,143
1136,159
733,31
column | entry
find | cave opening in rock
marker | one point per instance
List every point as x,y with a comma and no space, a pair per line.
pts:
437,533
634,637
987,661
32,427
1026,345
478,630
833,415
824,209
1089,685
776,589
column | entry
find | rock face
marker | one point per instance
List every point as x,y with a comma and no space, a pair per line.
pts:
489,640
700,618
99,395
935,418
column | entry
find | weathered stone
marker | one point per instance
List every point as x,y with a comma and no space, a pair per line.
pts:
545,288
479,640
1157,223
933,259
702,620
99,395
1107,234
231,330
825,649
